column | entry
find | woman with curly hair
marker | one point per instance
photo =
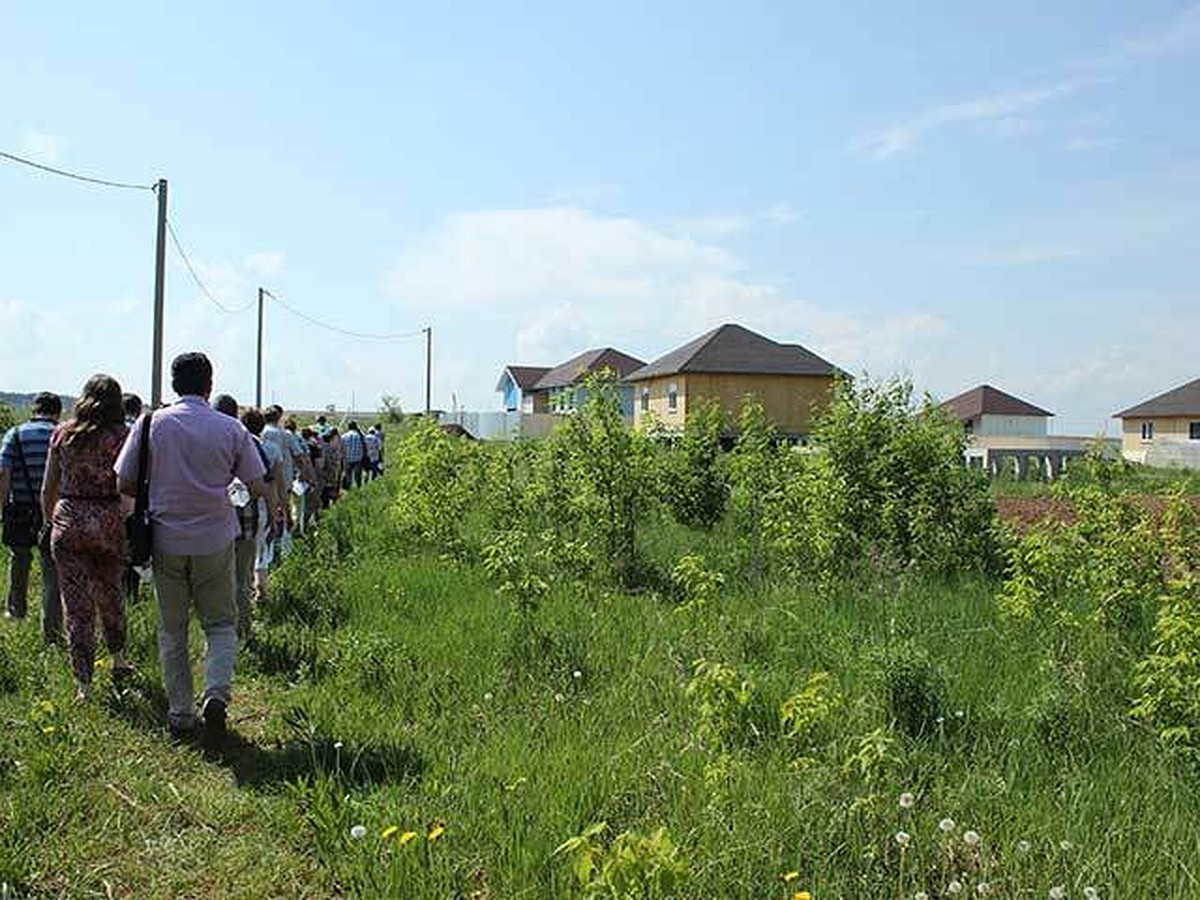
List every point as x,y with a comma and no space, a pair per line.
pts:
87,538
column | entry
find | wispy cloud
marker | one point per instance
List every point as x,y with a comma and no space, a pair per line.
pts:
40,146
991,108
1002,112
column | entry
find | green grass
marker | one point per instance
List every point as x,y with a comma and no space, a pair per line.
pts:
417,697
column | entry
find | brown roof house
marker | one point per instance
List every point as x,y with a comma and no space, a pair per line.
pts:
728,363
517,383
563,385
1164,430
1008,434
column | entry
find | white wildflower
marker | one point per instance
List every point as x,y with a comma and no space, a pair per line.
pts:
559,698
1058,892
902,838
576,674
907,800
488,696
1091,893
338,745
971,838
358,832
954,887
983,889
1024,846
947,825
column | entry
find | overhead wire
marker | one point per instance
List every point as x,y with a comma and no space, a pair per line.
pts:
397,336
104,182
199,281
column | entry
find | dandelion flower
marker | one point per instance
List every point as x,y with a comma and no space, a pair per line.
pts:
983,889
576,674
947,825
971,838
1024,846
559,698
435,832
405,838
789,877
488,696
802,895
902,838
954,887
358,832
338,745
388,832
49,729
907,800
1058,892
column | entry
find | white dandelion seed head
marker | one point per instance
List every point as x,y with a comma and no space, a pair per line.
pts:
358,832
947,825
1058,892
983,889
1024,846
902,838
954,887
576,674
488,696
1091,893
559,698
338,745
971,838
907,800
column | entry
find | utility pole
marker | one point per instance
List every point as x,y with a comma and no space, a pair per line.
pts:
258,370
160,283
428,329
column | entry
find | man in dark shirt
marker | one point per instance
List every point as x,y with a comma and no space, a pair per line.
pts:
22,465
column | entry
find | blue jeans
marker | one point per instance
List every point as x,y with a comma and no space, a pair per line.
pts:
18,589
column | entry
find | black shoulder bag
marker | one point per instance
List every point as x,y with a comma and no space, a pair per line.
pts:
22,523
137,526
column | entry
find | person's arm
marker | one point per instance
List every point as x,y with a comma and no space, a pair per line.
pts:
4,481
50,483
126,465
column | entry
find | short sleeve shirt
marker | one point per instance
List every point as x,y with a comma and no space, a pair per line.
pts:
35,446
195,452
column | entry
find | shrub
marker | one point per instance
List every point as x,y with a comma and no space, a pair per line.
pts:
916,690
696,477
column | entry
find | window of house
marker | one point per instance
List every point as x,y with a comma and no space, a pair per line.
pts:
1147,431
1194,431
645,399
672,397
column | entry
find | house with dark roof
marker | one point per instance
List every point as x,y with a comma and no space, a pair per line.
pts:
986,411
727,364
517,386
1164,430
563,385
1006,434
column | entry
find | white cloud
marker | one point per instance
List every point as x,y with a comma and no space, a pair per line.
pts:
714,225
991,108
40,146
545,284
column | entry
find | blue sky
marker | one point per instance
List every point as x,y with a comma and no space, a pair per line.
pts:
962,193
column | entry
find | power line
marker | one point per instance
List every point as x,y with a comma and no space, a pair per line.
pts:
343,331
196,278
104,182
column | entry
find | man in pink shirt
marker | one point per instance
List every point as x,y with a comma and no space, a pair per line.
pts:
195,452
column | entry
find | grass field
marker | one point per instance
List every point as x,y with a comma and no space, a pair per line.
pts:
415,700
469,683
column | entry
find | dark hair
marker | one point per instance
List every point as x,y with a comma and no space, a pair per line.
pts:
132,404
290,424
273,413
223,403
307,433
191,374
99,407
253,420
48,405
353,426
321,420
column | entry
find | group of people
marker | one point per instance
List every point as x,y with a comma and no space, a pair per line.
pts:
226,490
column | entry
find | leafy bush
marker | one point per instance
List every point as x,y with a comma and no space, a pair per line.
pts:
696,478
915,687
633,867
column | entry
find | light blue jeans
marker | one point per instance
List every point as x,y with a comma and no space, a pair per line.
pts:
207,583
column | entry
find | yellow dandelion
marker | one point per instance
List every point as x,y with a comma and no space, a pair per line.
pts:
49,729
789,877
436,832
406,837
388,832
802,895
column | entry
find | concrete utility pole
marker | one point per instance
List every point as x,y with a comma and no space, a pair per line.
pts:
258,370
428,367
160,284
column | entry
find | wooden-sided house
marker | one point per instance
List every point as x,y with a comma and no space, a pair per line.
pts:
1164,430
727,364
563,385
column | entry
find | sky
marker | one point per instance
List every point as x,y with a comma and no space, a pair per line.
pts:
953,193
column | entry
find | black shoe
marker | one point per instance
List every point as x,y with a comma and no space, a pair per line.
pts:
214,715
182,734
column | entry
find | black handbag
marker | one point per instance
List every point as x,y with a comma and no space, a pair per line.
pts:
138,528
21,524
